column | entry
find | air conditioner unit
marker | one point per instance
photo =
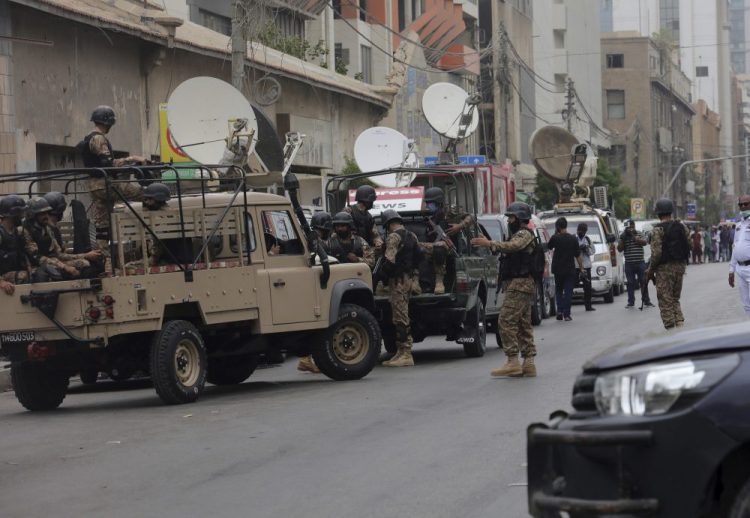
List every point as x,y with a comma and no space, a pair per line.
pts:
600,196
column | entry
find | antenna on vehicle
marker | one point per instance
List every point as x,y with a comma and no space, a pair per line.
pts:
559,156
452,113
380,148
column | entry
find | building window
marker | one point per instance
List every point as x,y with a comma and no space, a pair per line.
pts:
559,37
340,53
336,6
615,61
615,104
701,71
366,63
363,10
215,22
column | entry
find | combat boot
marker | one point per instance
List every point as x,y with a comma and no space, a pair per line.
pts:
439,286
403,358
528,367
511,368
306,364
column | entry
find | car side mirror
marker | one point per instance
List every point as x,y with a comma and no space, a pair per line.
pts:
611,238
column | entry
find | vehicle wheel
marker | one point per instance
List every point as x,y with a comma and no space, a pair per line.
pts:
121,373
552,304
536,308
609,297
349,349
89,376
478,345
546,303
38,387
230,370
741,504
178,363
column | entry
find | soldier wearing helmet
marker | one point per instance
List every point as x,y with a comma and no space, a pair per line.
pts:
346,246
401,257
45,252
514,321
364,223
437,245
14,265
58,203
670,250
322,223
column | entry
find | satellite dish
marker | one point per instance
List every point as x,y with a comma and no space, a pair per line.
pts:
382,148
269,148
202,113
550,148
450,111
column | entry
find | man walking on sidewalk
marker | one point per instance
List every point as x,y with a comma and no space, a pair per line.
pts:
632,243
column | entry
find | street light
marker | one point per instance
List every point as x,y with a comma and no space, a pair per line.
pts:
689,162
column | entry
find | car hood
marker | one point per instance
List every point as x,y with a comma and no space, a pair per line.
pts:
705,340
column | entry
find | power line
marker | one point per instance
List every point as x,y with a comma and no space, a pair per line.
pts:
531,110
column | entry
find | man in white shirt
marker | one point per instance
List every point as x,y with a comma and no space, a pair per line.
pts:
587,250
739,265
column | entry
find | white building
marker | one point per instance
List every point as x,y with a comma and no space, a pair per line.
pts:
641,16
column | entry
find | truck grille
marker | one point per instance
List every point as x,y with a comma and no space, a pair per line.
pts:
583,397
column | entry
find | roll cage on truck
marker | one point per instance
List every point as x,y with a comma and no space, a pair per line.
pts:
222,298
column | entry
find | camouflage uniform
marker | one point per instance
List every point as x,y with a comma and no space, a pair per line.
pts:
399,291
15,275
336,245
514,321
668,280
55,256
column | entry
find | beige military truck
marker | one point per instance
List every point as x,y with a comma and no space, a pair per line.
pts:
195,292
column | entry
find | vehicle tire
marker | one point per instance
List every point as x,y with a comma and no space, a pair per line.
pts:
230,370
536,308
741,504
89,376
121,373
478,346
349,349
178,362
546,303
609,297
38,387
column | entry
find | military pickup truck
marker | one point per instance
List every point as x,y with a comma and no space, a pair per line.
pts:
239,275
465,311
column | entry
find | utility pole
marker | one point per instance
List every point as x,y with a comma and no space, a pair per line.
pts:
502,93
239,44
570,103
636,156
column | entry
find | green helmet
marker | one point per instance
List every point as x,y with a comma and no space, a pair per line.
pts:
389,216
37,206
520,210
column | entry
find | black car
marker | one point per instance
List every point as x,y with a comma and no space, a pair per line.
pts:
660,428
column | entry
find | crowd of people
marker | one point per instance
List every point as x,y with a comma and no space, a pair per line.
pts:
712,244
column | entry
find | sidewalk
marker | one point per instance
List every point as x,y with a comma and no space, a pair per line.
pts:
4,376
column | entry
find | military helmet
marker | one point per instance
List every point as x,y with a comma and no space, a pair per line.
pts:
343,218
321,221
365,194
37,206
663,206
12,205
57,201
389,216
520,210
104,115
434,195
158,192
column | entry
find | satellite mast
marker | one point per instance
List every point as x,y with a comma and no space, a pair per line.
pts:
452,113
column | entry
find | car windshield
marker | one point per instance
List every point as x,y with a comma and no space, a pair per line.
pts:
594,232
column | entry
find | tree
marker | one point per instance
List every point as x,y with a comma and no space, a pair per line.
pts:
611,177
545,193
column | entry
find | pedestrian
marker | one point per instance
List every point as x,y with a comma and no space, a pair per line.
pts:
566,254
715,244
631,243
697,245
587,251
707,255
724,242
670,253
514,321
739,266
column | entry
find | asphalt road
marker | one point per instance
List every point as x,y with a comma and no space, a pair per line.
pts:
443,439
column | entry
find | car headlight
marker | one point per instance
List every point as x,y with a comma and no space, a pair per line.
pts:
601,257
654,388
601,271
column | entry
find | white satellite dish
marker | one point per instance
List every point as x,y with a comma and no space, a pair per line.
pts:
202,113
382,148
444,106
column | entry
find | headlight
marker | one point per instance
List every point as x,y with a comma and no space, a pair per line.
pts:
601,257
601,271
653,389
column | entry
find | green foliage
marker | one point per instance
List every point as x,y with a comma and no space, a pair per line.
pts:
295,46
545,193
611,177
359,76
341,67
351,167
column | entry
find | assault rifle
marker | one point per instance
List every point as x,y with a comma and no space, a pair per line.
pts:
442,236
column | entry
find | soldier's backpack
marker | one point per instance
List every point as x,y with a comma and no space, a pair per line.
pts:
675,246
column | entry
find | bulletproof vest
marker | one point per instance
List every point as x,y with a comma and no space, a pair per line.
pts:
675,245
363,223
57,235
517,264
89,158
407,256
340,250
43,239
11,251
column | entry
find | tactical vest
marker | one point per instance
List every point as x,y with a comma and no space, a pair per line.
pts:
340,250
517,265
11,251
43,239
363,223
57,235
407,257
89,158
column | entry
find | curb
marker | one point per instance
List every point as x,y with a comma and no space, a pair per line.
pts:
4,378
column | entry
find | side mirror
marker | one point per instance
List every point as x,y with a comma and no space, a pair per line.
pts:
611,238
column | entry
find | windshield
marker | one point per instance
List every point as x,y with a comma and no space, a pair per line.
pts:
594,232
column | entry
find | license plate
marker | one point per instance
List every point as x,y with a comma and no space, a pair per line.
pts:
18,337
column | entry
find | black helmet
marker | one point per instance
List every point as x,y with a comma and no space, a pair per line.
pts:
389,216
434,195
57,201
365,194
321,221
103,115
37,206
12,205
663,207
520,210
343,218
158,192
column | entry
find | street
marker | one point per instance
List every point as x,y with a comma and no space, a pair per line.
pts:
443,439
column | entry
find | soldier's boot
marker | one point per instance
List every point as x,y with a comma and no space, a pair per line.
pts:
439,286
528,367
416,289
306,364
403,358
511,368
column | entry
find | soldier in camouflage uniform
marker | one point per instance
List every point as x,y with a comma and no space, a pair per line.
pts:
348,247
670,250
514,321
435,249
399,259
364,222
14,265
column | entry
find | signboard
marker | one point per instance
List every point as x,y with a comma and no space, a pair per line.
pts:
401,199
462,160
637,209
692,211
